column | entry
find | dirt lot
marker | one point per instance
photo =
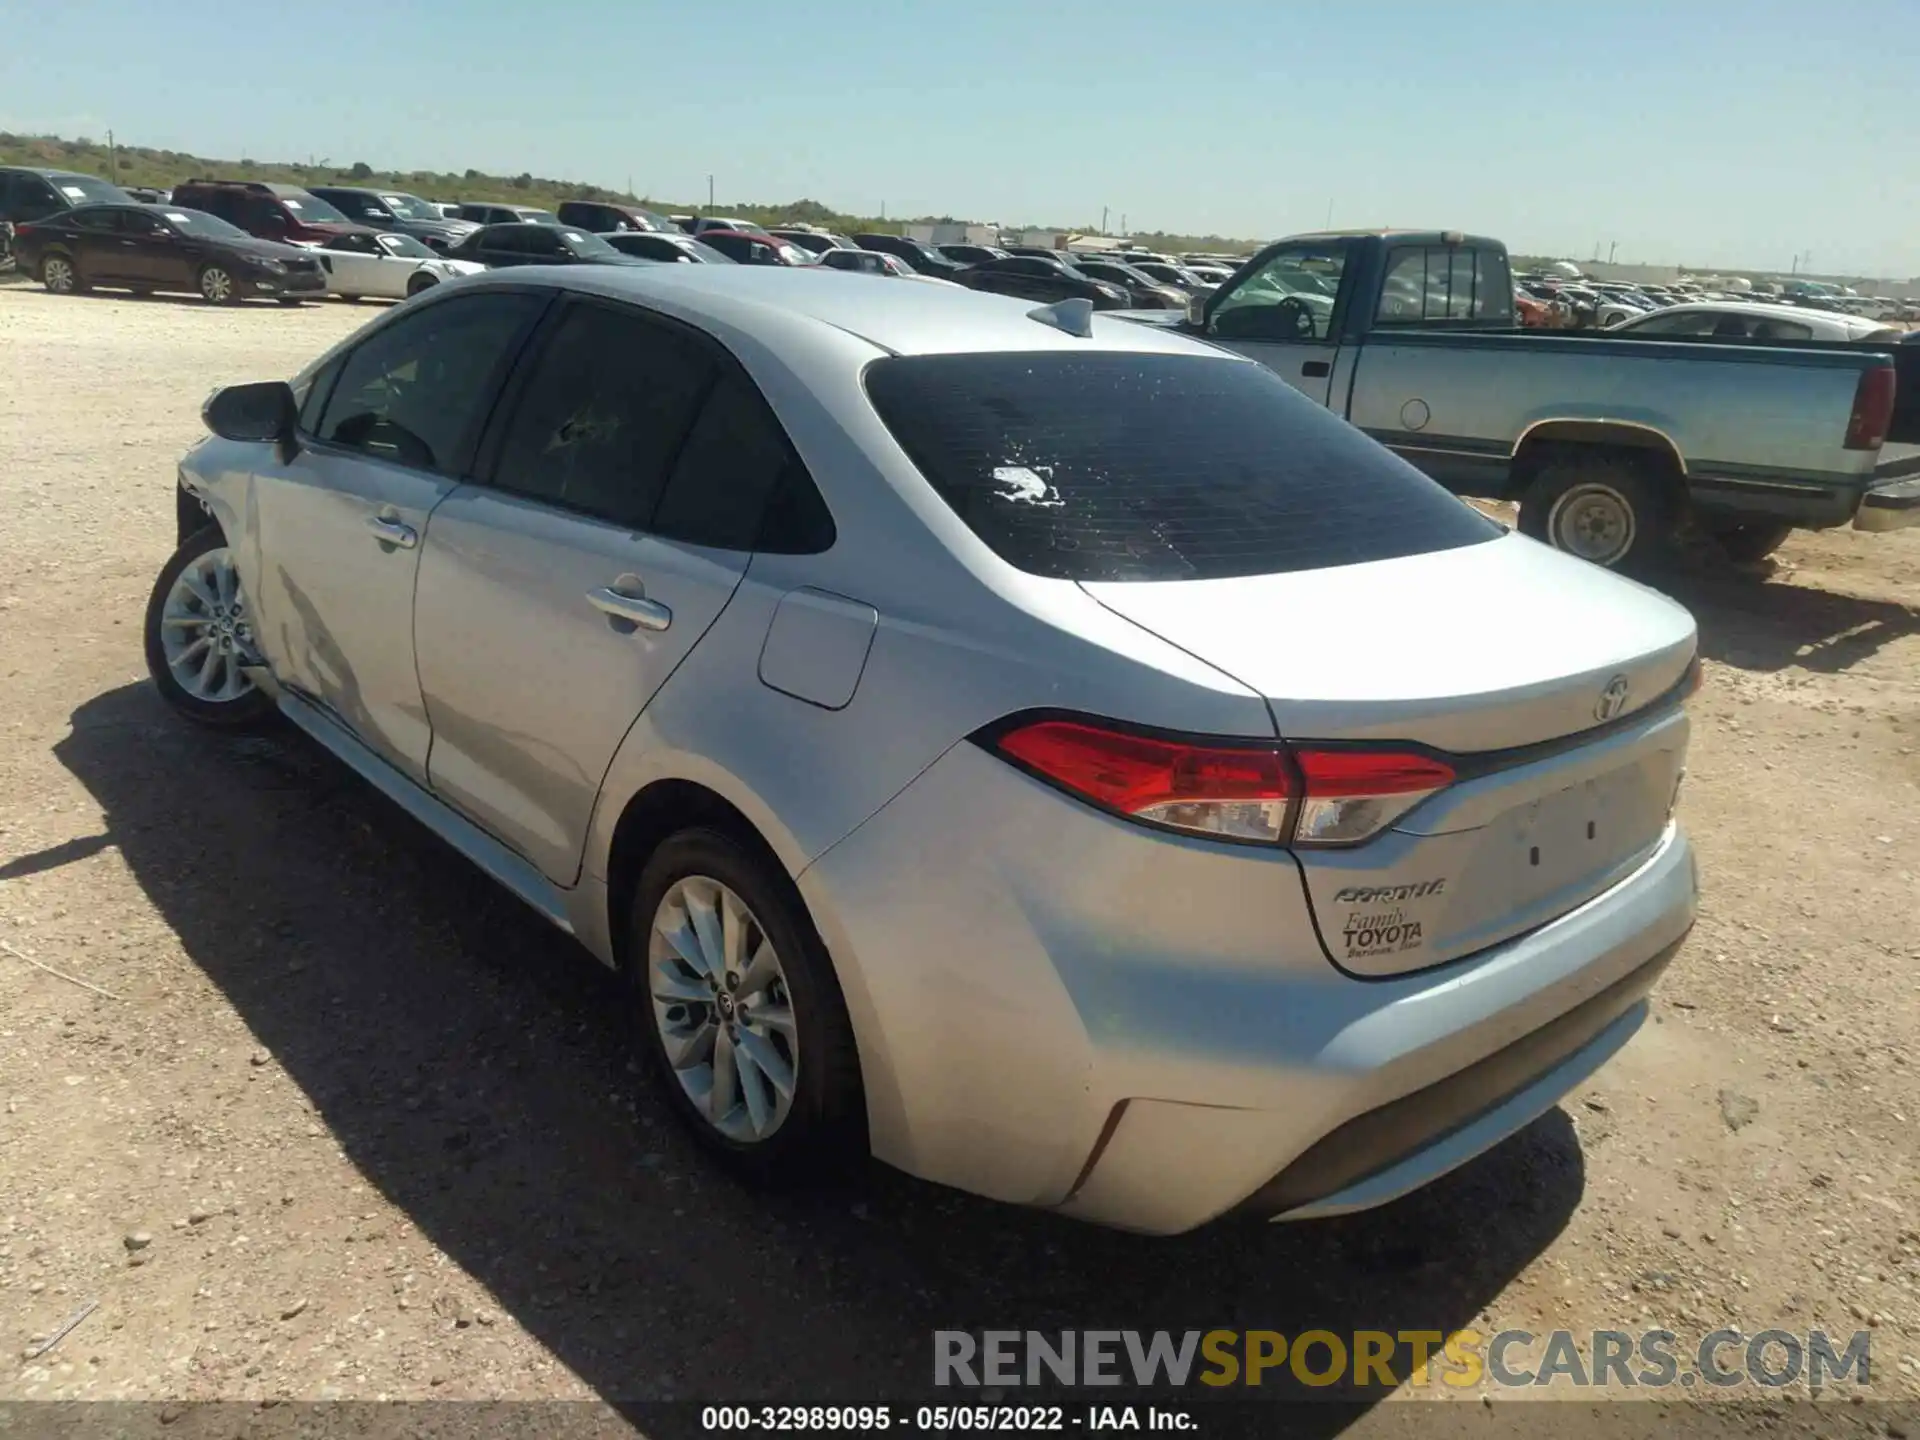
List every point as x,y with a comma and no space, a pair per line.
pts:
375,1132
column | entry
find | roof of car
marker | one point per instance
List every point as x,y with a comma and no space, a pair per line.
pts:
902,319
48,174
1753,307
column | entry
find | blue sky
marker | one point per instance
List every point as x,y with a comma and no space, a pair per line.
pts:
1699,131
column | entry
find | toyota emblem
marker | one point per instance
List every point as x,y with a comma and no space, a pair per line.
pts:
1613,699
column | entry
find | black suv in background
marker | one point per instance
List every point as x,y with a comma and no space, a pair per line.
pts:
27,194
923,258
607,217
399,212
273,212
531,244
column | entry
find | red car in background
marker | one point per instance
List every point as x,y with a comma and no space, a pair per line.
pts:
755,249
285,213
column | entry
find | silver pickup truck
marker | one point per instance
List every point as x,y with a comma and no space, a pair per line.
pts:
1608,443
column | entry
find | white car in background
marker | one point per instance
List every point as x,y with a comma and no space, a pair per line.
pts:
1752,320
385,266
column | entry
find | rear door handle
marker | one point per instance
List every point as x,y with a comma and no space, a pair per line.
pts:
392,532
1316,369
635,609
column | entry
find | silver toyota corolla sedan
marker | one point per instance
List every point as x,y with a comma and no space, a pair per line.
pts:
1040,750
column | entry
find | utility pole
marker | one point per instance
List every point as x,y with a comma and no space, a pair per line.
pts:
1329,224
1611,247
113,160
1103,219
709,192
1123,225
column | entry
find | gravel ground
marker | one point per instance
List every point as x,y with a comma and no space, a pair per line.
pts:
348,1123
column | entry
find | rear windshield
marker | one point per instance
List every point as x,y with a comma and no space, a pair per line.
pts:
1122,466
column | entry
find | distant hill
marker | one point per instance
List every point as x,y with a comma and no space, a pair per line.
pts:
162,169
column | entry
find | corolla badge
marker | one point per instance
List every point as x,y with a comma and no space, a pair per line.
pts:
1613,699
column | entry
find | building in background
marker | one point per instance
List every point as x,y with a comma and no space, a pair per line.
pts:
956,233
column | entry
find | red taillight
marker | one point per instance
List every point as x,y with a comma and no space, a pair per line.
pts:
1269,794
1354,793
1872,409
1235,792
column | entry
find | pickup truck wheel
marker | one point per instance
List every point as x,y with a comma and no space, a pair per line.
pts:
1597,508
1747,542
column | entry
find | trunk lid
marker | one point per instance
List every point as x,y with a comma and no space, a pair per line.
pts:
1539,674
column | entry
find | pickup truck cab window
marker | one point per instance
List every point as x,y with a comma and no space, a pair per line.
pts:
1444,282
1290,298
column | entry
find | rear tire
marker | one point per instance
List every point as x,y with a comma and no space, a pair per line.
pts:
1748,542
1599,506
197,635
60,275
792,1016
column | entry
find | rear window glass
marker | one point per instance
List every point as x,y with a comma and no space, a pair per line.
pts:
1127,466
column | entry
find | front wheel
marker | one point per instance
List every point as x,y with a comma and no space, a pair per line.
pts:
1599,508
740,1012
199,636
217,286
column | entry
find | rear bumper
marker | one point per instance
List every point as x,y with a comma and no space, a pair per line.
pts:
1143,1031
1407,1142
1893,505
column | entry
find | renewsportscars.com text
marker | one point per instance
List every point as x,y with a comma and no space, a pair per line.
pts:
1461,1359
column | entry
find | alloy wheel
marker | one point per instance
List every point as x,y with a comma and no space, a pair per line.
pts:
56,273
216,285
205,634
722,1009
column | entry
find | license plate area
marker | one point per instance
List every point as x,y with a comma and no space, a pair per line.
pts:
1497,856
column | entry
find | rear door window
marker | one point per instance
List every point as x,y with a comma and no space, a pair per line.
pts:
735,461
1122,466
609,403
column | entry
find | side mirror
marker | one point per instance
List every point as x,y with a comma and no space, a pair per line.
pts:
258,413
1197,311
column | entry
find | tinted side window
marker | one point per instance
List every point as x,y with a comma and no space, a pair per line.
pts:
34,199
606,410
312,397
1156,467
415,391
734,461
541,241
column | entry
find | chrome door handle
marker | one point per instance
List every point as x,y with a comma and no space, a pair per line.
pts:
635,609
392,532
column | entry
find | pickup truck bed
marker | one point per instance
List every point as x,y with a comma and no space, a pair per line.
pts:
1608,442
